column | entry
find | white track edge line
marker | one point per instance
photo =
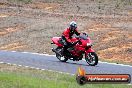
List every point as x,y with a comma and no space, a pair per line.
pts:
116,64
37,68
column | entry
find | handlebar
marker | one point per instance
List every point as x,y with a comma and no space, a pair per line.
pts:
75,42
77,37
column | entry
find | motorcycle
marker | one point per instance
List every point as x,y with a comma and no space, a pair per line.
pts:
82,46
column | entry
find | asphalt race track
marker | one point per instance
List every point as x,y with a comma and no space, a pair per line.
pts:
50,62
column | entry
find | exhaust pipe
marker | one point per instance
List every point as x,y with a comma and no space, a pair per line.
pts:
56,52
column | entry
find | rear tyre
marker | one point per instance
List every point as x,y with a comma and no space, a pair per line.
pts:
92,59
61,58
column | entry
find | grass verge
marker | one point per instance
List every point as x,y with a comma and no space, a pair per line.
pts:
19,77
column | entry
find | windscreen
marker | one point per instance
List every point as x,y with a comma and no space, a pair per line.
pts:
83,36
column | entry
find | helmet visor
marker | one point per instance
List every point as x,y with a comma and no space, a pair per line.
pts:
73,28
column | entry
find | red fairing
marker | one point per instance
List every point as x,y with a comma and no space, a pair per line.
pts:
78,48
84,43
90,50
82,47
73,39
55,40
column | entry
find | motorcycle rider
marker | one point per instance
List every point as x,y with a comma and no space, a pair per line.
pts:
68,34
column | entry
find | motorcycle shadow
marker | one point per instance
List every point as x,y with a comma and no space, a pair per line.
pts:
74,63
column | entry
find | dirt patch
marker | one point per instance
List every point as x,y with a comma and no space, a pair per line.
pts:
98,26
130,12
45,6
126,58
13,46
111,36
122,53
129,36
7,30
3,4
3,15
111,43
117,49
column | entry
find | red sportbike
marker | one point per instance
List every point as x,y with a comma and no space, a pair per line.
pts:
82,46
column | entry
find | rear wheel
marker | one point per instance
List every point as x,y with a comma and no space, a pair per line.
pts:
92,59
61,58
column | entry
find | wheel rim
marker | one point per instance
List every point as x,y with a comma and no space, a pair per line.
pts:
90,59
58,56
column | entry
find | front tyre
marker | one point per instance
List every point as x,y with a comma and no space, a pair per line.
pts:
61,58
92,58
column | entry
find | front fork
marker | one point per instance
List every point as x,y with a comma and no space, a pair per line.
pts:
87,52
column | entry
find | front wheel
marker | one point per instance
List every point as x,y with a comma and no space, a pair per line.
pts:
61,58
92,58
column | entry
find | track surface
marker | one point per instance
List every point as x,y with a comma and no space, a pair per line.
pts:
52,63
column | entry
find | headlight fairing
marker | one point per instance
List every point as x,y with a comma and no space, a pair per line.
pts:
89,44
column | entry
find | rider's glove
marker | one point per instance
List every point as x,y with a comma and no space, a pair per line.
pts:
72,43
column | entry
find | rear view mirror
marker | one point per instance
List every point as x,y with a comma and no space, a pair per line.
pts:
77,37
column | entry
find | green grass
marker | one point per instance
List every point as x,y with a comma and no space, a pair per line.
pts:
12,80
20,77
